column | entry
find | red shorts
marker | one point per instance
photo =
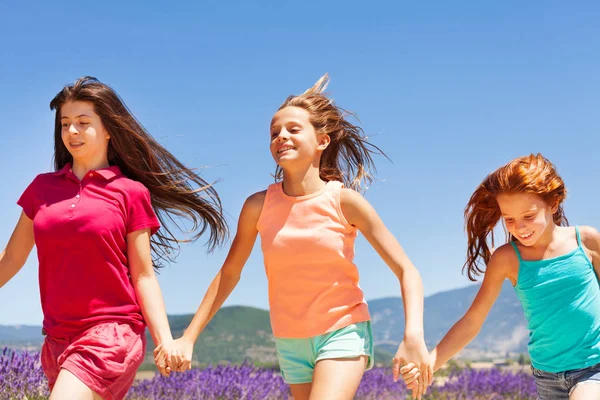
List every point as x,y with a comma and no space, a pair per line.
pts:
105,358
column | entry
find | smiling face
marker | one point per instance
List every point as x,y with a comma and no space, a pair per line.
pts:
294,139
83,133
527,216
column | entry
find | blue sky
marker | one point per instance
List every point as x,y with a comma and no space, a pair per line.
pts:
449,90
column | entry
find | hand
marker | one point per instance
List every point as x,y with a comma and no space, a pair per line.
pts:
161,353
177,355
410,376
414,350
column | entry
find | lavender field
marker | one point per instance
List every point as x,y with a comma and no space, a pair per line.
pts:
21,377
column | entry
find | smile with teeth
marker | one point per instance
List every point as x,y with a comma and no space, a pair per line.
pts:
76,144
527,236
285,148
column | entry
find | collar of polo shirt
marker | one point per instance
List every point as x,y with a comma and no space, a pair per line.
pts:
106,173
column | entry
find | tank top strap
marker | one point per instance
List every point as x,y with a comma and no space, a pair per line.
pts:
513,244
578,236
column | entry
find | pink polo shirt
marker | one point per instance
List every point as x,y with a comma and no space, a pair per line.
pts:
80,230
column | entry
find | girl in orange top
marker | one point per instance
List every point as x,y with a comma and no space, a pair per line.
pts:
308,221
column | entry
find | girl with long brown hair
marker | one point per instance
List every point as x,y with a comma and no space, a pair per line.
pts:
308,221
553,268
92,221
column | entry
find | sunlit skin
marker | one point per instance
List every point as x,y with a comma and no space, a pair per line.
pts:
529,218
297,148
84,136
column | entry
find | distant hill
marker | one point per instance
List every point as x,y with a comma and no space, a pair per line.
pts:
505,329
238,333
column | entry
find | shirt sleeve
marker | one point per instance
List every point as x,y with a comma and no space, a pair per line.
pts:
29,199
141,215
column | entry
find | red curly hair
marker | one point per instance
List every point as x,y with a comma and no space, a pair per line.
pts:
532,174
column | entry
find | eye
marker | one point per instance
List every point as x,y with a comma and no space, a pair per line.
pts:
509,220
528,217
65,125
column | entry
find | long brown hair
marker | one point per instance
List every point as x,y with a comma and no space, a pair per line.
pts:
175,190
348,156
533,174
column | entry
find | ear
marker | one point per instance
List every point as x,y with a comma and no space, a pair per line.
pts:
554,206
324,141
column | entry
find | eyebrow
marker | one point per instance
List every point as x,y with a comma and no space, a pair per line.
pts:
522,213
289,122
79,116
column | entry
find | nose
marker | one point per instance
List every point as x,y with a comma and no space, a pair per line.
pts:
283,136
72,129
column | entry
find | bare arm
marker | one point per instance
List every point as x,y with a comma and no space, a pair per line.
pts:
360,213
17,250
229,275
590,239
220,288
146,287
470,324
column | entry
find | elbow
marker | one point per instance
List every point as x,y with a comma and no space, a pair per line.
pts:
472,326
141,278
230,276
410,274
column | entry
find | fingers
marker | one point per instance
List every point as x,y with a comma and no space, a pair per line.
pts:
396,361
411,376
420,388
430,369
175,360
407,368
425,374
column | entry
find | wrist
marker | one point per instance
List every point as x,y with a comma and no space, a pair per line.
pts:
161,339
414,335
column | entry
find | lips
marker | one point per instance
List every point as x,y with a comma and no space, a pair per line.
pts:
526,236
283,149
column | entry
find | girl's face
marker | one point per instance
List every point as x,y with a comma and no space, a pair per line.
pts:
527,216
83,133
293,138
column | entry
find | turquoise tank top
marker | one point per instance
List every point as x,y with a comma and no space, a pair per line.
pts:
561,300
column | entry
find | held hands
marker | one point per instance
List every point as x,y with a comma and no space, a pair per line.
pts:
410,376
175,355
416,365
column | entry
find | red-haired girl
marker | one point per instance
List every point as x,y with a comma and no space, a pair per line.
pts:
553,268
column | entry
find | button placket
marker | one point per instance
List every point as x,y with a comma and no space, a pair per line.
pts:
77,197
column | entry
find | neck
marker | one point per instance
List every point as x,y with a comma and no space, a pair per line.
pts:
302,183
547,237
80,167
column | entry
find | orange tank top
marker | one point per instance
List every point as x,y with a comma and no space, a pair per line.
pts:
308,250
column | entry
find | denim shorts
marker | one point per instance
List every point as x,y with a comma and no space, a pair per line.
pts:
558,386
297,357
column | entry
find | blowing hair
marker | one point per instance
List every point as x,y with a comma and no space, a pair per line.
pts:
533,174
175,190
348,156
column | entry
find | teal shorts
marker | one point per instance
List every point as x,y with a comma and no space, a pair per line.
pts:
297,357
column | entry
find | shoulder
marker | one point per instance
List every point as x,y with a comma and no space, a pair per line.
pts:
351,199
129,186
504,261
590,238
46,177
252,210
254,203
256,200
